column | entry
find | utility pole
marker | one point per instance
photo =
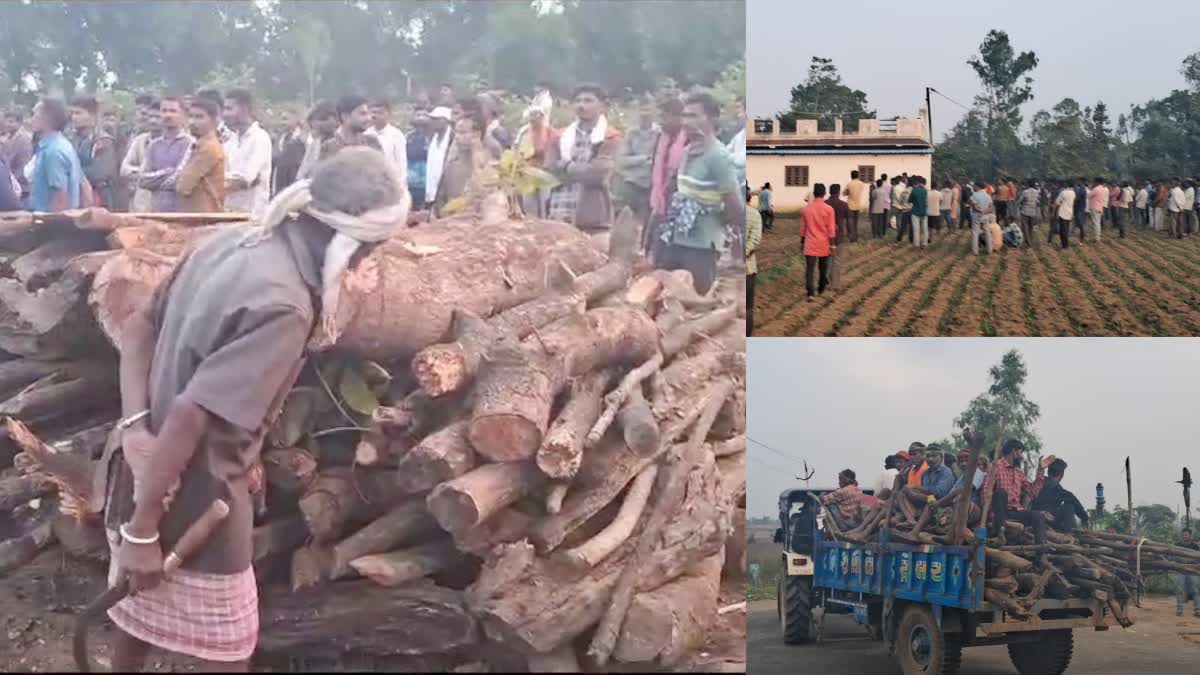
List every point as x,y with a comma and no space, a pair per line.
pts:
929,113
1187,496
1129,496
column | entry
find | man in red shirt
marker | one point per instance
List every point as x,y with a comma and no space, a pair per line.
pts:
1014,491
817,234
847,498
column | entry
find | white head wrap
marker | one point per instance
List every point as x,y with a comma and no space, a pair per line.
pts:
350,233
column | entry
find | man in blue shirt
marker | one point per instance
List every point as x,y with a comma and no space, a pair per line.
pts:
938,479
57,174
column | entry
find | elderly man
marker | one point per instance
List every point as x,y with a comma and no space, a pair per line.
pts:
205,367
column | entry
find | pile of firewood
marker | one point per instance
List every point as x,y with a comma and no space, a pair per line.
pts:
524,444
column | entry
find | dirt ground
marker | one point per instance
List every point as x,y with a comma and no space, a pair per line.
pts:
1146,284
39,601
1158,643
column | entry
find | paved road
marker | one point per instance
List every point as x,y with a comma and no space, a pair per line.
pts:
1159,644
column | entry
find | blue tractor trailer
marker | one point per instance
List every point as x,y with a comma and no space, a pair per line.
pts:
926,601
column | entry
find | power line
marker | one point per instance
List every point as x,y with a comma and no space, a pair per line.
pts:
770,465
949,99
781,454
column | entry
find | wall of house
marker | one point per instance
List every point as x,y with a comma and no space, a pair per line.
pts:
827,169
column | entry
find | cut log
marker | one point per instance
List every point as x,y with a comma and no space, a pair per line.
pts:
605,472
88,392
398,567
407,522
615,399
637,424
19,373
279,536
310,566
475,496
732,446
668,622
735,547
364,618
444,368
670,496
618,531
505,527
289,470
607,279
674,390
17,491
51,319
80,539
515,393
373,449
1006,602
555,495
19,550
439,457
562,448
731,421
513,398
536,605
706,325
733,477
680,284
643,293
340,497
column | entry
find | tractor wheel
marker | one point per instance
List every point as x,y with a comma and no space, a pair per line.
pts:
1049,655
794,604
922,648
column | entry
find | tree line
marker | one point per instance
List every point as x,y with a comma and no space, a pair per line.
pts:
324,48
1156,139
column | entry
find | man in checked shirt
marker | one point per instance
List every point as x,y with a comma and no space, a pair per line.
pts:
1014,491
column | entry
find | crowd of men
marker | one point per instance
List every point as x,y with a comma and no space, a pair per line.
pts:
927,475
677,169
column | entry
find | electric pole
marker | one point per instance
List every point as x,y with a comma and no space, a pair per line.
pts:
929,113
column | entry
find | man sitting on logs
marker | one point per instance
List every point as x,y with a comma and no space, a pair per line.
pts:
1014,491
916,464
1059,501
204,370
847,498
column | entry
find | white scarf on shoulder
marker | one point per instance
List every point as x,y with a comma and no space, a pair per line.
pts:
566,142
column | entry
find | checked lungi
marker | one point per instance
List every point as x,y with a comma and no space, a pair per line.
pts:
213,617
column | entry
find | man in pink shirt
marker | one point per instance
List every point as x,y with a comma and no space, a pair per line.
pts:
817,232
1098,198
1114,199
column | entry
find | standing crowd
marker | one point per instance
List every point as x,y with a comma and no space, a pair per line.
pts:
677,169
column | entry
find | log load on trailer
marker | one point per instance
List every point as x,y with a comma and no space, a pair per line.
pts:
928,601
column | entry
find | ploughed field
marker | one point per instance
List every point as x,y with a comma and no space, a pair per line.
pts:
1145,284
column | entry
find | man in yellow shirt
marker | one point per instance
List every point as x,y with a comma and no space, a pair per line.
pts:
855,193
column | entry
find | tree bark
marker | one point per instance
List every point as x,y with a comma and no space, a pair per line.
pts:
439,457
591,552
706,325
405,523
617,397
397,567
637,424
310,566
19,550
515,394
19,373
562,447
16,491
506,526
475,496
341,497
675,387
289,470
602,281
42,401
670,496
362,617
670,621
49,318
279,536
561,660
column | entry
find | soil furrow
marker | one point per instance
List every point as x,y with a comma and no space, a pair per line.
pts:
1141,318
885,307
1074,301
793,319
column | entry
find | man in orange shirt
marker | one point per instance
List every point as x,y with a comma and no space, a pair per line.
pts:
817,232
916,464
201,180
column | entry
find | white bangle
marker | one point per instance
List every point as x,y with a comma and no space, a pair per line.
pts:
132,420
141,541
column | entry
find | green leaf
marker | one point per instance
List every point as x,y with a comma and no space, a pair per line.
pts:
356,393
376,375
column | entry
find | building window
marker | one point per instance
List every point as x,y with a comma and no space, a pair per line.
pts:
795,176
866,173
763,126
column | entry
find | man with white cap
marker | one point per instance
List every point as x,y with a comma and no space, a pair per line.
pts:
439,146
205,367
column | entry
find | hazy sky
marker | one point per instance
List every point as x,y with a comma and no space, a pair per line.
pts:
1121,53
848,402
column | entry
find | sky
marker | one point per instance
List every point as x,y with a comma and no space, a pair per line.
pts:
848,402
1120,53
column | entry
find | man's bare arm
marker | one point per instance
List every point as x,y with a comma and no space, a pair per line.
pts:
170,453
138,341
